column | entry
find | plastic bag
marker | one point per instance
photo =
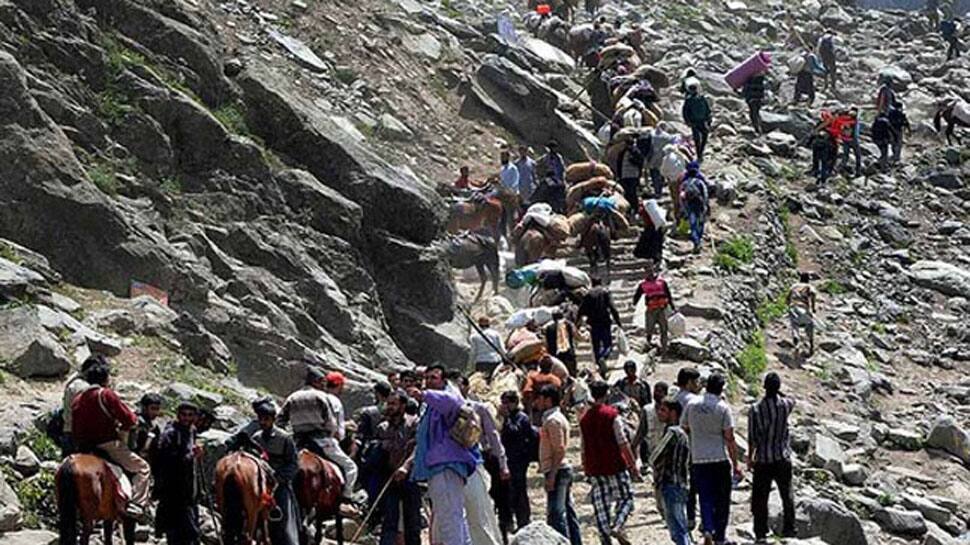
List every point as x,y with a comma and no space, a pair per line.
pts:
622,346
676,325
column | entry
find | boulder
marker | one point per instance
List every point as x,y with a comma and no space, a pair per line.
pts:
538,533
836,525
900,522
303,55
690,349
26,462
854,474
948,436
11,512
43,358
947,179
29,537
796,123
827,454
942,277
392,128
325,208
529,108
552,56
930,510
16,281
903,439
179,392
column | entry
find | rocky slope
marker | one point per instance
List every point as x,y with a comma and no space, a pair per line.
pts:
270,166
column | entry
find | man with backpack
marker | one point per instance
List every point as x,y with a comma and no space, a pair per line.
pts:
608,463
885,95
694,198
697,115
881,132
805,71
826,52
898,122
950,31
630,169
521,442
754,95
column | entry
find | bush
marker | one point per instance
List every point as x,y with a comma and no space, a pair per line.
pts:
232,118
734,253
103,176
833,287
753,360
771,309
37,498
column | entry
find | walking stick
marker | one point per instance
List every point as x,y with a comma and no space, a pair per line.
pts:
483,336
377,500
202,480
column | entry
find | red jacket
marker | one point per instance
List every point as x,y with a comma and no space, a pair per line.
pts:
601,452
97,414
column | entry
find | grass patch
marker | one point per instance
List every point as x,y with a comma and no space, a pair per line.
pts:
171,184
38,500
771,309
178,370
112,105
7,252
753,360
734,253
232,118
886,499
43,446
833,287
103,175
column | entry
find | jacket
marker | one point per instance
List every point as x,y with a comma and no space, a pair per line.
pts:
601,452
98,413
306,410
696,110
173,466
754,88
597,306
520,440
435,447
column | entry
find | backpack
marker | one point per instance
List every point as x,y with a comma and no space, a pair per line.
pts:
467,428
826,47
880,129
694,191
54,425
948,29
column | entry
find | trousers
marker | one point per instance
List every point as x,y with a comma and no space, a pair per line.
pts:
560,513
764,474
133,465
714,492
446,490
333,452
480,511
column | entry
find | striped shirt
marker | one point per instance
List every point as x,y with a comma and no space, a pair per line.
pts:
768,430
671,458
309,410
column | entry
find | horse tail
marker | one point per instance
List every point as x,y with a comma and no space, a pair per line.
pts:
937,119
233,511
67,499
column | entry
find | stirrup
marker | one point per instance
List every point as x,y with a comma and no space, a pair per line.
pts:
276,514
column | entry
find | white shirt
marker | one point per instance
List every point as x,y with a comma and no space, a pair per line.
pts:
481,351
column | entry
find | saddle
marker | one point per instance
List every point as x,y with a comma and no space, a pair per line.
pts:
329,466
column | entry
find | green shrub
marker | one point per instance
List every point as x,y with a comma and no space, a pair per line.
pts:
833,287
43,446
771,309
103,175
232,118
171,184
734,253
37,498
753,360
7,252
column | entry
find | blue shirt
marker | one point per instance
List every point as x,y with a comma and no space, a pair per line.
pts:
436,451
526,167
510,177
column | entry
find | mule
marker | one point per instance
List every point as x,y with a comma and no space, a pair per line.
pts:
532,246
86,490
244,498
318,486
486,215
947,112
472,250
596,242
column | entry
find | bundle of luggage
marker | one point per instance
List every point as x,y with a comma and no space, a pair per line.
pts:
580,172
618,54
540,216
547,274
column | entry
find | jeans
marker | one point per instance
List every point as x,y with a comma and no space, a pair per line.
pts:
560,512
696,218
700,134
853,146
511,497
675,507
714,492
401,498
602,338
764,474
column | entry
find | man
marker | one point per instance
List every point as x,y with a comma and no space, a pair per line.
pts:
753,93
713,453
801,309
950,31
174,459
649,433
76,384
551,184
521,442
331,444
898,123
660,138
97,416
443,462
671,462
657,294
630,164
824,154
599,312
558,474
527,169
850,129
487,350
279,450
560,340
537,378
146,430
882,136
933,13
650,244
885,95
697,116
688,390
631,386
826,52
770,457
805,78
509,175
694,199
402,499
464,180
368,418
608,463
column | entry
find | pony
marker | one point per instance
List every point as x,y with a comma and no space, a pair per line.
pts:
318,486
596,241
471,250
86,490
955,113
532,246
244,498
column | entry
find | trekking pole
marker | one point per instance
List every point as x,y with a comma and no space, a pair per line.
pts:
481,333
207,496
377,501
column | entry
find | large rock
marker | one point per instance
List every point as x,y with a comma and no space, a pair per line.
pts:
16,281
796,123
828,454
947,435
900,522
538,533
529,108
43,358
836,525
690,349
11,512
29,537
554,57
942,277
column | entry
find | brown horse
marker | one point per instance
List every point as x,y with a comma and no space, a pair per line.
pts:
244,498
946,112
597,242
532,246
318,487
486,215
86,489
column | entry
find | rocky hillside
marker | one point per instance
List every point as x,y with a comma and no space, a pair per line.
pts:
268,167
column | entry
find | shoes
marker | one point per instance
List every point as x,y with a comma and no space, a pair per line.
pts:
708,539
620,536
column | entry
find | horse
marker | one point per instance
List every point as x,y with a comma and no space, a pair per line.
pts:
472,250
318,486
596,241
86,486
244,498
953,112
532,246
485,215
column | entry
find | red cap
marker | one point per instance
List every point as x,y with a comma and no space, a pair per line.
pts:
335,379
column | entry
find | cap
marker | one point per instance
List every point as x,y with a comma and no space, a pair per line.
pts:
335,379
314,373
